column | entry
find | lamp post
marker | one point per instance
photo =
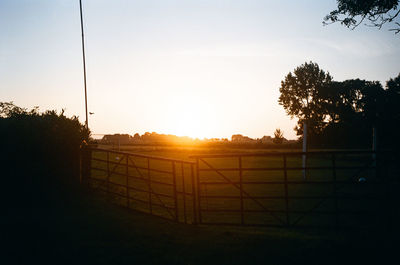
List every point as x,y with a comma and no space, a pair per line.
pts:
84,66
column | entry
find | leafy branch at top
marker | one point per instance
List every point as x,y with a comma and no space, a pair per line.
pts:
352,13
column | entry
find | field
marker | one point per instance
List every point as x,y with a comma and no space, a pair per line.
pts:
76,225
89,230
255,188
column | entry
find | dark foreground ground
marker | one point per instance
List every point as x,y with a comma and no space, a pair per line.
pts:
82,228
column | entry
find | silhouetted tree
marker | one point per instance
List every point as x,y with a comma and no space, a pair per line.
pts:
341,114
345,99
390,116
393,98
352,108
278,136
8,110
393,86
301,96
352,13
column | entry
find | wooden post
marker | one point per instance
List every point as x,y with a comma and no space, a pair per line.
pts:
198,190
335,190
193,194
304,156
127,180
390,203
286,190
175,193
374,139
149,186
374,149
184,193
85,163
81,163
241,191
108,174
119,142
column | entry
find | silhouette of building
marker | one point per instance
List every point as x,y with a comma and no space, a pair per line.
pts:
116,139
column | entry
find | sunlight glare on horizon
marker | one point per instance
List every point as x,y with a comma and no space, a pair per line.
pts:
186,119
191,68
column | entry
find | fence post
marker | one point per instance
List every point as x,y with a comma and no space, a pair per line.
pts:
241,191
389,202
304,156
85,163
335,190
198,190
108,174
81,164
127,180
149,186
193,194
286,190
184,193
175,194
374,143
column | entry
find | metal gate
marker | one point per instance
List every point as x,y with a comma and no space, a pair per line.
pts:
341,189
155,185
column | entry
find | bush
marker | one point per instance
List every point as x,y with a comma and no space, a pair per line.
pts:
40,150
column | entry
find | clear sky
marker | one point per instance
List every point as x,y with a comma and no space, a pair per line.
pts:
202,68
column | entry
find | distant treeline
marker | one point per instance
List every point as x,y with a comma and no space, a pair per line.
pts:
168,139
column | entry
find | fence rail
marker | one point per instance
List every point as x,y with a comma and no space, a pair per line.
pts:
342,189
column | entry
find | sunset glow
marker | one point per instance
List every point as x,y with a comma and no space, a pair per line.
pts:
194,68
193,121
199,131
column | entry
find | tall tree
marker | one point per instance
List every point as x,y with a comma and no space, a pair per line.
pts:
352,13
301,96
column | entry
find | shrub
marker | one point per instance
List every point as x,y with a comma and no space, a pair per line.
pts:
40,150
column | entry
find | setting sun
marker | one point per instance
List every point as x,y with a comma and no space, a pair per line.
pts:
193,120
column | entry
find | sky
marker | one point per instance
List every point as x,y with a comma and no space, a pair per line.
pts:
203,68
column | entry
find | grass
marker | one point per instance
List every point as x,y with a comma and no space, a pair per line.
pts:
79,226
88,230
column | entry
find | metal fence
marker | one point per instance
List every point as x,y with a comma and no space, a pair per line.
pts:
341,189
